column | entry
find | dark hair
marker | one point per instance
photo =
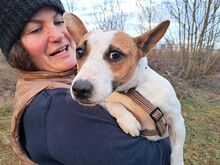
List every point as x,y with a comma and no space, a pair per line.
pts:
20,59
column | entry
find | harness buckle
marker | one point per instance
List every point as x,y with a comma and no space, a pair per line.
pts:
156,114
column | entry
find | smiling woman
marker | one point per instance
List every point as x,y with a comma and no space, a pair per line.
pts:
47,127
53,49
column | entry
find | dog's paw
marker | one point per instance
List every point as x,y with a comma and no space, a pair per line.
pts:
129,125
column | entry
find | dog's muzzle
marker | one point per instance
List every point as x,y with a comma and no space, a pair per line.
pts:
82,89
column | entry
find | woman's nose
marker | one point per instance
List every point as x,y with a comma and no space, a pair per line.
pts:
55,34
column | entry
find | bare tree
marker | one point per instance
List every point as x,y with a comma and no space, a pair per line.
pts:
148,13
145,14
198,31
108,15
69,5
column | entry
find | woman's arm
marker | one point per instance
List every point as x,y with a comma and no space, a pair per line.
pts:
64,132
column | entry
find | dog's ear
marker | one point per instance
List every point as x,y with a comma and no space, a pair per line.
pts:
74,26
149,39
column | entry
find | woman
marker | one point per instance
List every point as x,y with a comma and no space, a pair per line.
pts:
48,127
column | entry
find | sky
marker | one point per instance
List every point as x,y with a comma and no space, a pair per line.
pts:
83,9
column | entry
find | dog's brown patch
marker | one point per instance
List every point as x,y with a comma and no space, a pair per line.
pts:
123,69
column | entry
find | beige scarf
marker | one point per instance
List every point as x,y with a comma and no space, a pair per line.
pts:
28,86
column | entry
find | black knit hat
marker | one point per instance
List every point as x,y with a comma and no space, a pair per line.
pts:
15,14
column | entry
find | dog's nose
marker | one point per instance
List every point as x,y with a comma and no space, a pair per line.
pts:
82,89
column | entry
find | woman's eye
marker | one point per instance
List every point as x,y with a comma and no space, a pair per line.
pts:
115,56
79,53
60,22
36,30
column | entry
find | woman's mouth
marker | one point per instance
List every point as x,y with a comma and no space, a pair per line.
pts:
60,51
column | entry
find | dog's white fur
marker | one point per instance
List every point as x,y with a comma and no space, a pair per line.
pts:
148,83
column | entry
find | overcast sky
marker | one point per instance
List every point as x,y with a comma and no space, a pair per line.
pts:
82,8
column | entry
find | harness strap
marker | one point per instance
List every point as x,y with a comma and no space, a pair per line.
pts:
155,113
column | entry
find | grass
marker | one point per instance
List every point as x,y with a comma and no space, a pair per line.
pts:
6,155
202,118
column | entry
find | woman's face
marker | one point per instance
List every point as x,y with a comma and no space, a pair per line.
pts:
48,42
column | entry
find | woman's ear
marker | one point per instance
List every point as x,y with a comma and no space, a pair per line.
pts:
74,26
149,39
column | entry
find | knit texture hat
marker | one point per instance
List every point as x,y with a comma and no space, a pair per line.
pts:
15,14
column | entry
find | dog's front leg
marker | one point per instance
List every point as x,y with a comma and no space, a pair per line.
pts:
128,123
140,114
177,137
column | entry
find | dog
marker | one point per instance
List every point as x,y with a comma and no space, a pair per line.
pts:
109,61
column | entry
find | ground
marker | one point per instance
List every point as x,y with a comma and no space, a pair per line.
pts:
200,107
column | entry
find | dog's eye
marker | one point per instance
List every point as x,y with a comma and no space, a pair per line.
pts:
115,56
79,53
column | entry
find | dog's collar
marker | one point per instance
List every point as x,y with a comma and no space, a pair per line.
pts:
154,112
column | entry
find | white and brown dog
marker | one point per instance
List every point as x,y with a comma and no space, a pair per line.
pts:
109,61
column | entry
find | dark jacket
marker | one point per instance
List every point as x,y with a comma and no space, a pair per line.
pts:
57,130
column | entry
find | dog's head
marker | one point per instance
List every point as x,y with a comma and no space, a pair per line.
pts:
106,59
